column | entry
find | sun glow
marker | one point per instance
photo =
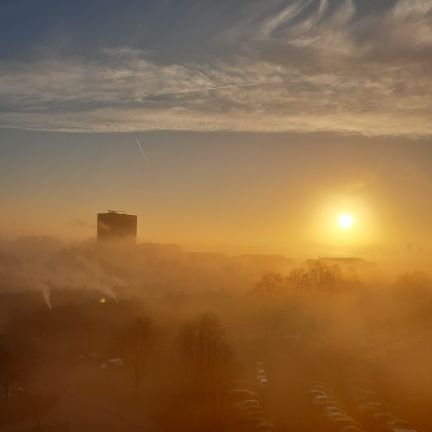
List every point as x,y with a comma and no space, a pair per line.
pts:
345,221
344,225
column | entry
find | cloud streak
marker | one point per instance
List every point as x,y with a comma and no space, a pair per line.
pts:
325,66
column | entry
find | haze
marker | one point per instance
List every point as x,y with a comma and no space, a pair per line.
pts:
215,215
228,192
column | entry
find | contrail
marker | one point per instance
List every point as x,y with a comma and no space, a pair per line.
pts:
142,151
218,88
203,89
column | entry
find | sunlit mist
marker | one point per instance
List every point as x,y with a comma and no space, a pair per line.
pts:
215,216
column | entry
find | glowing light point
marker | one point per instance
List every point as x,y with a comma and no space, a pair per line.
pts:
345,221
102,300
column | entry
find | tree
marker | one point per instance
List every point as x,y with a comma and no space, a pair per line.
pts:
321,274
139,341
207,358
271,283
298,278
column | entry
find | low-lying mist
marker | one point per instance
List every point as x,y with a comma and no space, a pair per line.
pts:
137,337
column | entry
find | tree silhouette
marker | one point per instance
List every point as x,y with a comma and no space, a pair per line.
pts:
138,341
270,284
208,359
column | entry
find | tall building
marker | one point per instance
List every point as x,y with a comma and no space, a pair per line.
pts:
116,226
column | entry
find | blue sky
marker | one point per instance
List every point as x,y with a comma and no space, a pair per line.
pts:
277,66
83,27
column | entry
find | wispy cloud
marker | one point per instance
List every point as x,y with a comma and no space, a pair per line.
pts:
319,66
289,12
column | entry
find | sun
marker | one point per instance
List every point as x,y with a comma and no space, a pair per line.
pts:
345,221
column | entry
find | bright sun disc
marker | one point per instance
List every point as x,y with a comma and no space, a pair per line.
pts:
345,221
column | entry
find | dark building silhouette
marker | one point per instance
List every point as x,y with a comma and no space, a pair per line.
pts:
116,226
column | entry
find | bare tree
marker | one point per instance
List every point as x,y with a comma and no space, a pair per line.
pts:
271,284
207,358
322,275
298,278
138,341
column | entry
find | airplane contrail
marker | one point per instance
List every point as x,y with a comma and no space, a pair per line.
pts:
142,151
218,88
203,89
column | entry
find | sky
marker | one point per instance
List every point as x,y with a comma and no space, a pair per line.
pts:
261,120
